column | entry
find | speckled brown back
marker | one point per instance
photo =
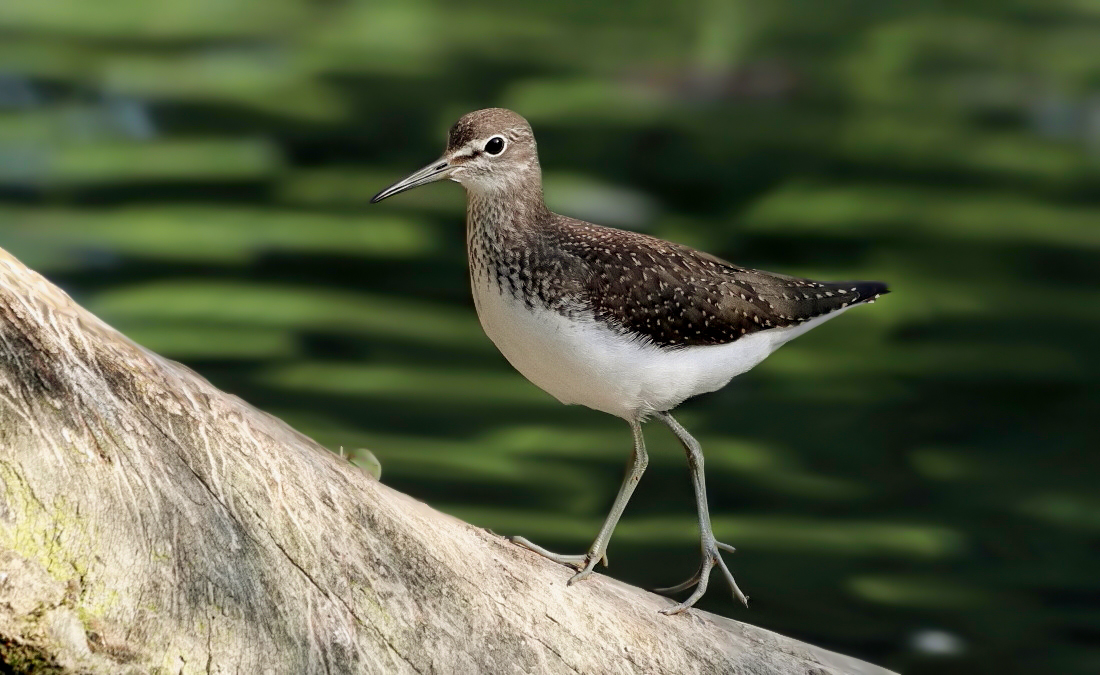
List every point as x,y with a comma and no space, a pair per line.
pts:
675,296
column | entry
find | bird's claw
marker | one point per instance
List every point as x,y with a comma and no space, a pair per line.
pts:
711,558
584,563
585,570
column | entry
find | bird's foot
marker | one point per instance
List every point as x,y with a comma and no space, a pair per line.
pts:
711,558
584,562
585,570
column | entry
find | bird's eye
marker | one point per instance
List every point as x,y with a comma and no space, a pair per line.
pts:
495,146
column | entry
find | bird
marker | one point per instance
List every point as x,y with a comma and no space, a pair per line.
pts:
615,320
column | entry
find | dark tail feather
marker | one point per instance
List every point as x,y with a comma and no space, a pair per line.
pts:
865,291
836,295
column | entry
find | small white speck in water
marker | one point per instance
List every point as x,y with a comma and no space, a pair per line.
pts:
934,642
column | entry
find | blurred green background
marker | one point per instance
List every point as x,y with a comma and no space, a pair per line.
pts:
915,484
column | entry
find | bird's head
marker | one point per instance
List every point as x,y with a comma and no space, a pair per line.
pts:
488,151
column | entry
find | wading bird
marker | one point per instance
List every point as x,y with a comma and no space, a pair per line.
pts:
615,320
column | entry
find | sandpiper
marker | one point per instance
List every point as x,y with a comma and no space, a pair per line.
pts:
615,320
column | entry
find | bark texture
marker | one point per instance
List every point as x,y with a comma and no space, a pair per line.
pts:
151,523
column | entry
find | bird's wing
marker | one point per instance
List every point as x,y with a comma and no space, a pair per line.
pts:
675,296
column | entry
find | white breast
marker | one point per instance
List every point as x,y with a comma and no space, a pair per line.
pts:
584,362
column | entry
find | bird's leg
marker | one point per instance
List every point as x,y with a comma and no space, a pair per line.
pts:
710,547
585,563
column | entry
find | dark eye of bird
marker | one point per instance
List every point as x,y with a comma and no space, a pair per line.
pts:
495,145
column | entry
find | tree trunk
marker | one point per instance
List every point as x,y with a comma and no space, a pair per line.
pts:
151,523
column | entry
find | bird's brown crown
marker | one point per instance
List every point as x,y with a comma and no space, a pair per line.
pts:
485,123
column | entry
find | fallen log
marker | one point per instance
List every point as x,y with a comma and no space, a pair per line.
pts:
152,523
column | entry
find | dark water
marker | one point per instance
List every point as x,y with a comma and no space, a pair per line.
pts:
914,483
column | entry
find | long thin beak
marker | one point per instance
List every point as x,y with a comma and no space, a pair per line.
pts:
437,170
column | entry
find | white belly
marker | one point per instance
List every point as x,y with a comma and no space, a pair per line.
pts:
583,362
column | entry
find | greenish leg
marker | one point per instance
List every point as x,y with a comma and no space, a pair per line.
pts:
710,547
598,551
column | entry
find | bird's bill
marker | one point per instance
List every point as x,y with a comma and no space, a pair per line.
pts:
437,170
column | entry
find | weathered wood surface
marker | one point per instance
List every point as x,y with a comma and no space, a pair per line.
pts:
151,523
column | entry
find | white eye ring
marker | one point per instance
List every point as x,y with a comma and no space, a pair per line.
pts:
495,145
